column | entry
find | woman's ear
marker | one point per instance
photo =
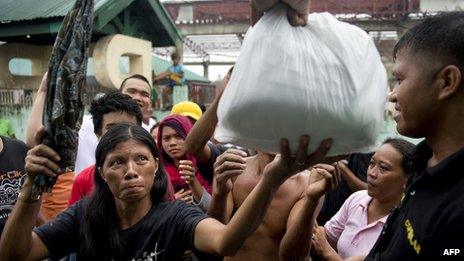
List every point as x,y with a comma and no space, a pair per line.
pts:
100,172
156,165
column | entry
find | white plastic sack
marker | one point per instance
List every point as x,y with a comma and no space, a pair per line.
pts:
326,80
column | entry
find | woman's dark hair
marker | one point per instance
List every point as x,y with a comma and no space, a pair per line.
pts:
100,228
404,147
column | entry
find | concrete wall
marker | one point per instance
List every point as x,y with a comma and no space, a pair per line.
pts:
38,55
105,66
105,53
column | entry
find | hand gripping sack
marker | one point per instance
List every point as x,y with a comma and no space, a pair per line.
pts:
325,79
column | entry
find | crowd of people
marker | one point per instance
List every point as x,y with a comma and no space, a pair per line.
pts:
168,191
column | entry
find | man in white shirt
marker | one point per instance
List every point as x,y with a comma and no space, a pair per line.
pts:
136,86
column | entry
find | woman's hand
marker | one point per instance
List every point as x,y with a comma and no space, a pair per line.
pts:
322,179
320,245
226,169
284,165
184,195
187,171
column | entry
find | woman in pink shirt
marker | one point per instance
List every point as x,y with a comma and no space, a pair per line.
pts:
355,228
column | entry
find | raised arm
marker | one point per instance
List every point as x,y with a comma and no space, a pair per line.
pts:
295,244
203,130
226,169
353,182
35,118
213,237
18,241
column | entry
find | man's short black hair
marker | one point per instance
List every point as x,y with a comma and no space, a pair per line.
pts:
113,102
135,76
441,35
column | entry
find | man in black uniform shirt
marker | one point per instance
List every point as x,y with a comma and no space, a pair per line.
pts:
429,100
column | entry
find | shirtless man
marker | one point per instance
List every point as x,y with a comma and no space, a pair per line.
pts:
286,229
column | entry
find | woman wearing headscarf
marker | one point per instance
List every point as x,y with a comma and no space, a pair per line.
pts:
189,184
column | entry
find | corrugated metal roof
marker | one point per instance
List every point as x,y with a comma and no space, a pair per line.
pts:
19,10
21,19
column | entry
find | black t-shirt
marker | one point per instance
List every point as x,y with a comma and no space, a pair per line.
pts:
165,233
333,200
429,222
12,175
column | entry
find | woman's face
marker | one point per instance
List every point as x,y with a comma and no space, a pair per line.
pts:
385,175
172,142
129,170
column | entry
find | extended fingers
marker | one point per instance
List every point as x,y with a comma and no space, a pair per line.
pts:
319,154
284,151
302,151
